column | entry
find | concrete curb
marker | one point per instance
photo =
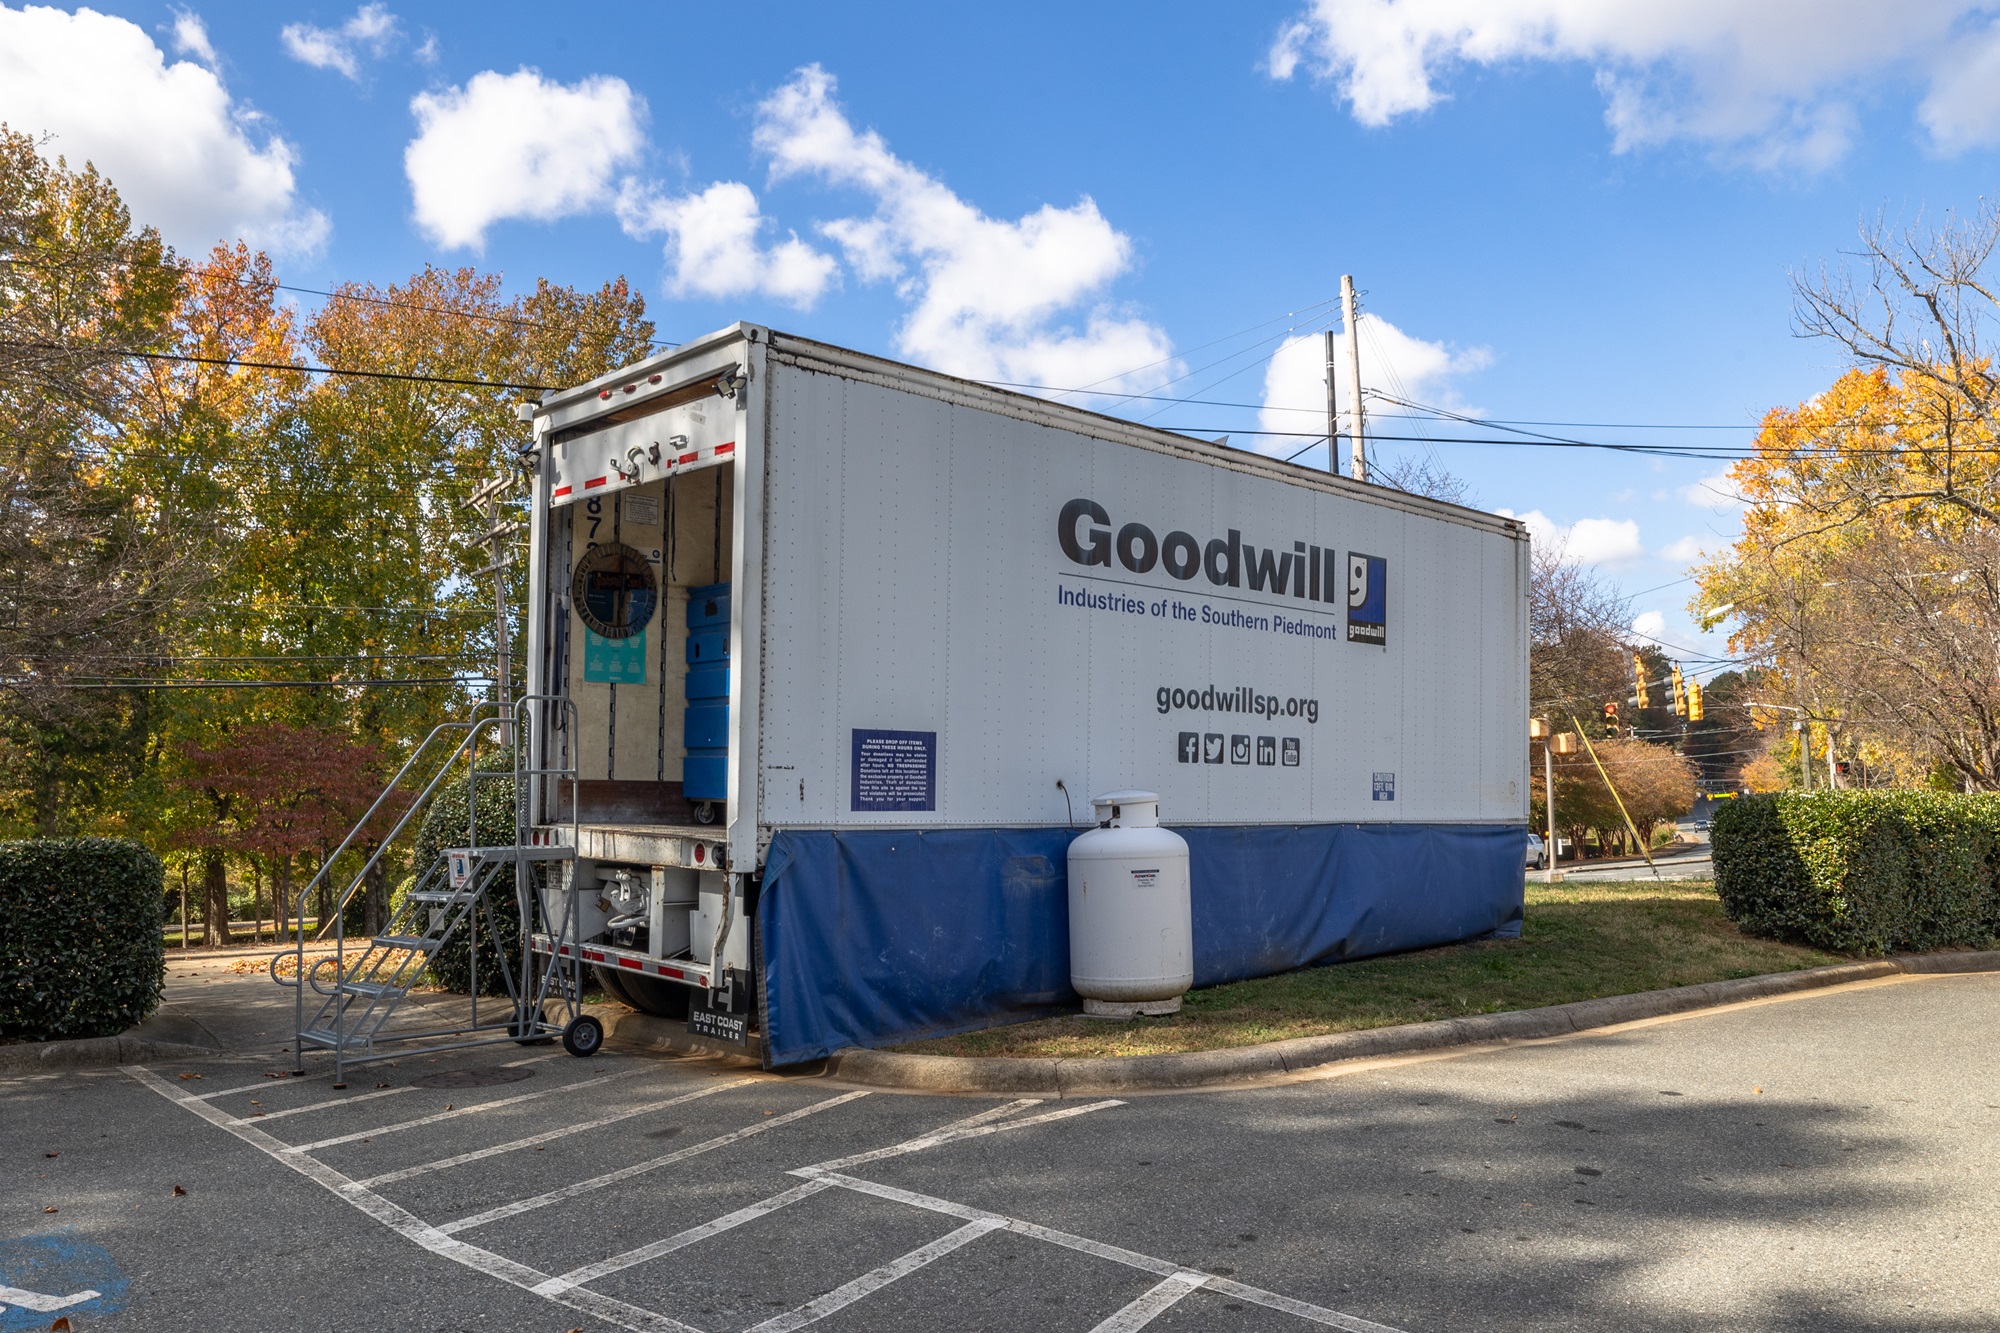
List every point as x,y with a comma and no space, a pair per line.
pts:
96,1053
945,1073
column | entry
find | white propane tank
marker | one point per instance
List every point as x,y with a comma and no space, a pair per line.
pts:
1131,930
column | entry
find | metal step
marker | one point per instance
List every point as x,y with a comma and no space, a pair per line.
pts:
417,943
374,990
322,1037
439,896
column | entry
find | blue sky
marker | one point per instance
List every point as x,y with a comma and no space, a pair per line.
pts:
1576,211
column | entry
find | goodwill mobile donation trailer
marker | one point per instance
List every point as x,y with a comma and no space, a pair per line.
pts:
837,650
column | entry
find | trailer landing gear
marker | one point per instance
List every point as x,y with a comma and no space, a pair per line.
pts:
583,1035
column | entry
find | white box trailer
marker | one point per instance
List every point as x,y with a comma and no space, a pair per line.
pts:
838,650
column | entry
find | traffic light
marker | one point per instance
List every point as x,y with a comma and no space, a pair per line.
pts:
1694,702
1639,674
1680,693
1611,719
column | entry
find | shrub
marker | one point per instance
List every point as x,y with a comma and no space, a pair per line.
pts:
444,825
81,954
1862,872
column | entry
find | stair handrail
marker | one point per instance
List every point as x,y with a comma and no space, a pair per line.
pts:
529,777
326,866
472,726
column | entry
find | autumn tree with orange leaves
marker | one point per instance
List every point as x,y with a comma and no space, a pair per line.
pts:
1867,575
211,541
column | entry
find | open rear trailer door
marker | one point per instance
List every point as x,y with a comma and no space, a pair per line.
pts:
637,627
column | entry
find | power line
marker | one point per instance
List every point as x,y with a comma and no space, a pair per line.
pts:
229,362
136,684
427,309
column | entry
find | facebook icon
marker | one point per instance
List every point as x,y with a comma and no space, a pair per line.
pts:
1190,748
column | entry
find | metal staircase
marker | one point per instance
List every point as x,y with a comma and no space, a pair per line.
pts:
361,989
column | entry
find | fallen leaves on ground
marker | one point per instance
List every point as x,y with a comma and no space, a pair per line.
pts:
179,1191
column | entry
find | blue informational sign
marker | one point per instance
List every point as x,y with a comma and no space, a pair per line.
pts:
1385,786
614,661
894,770
47,1277
1367,598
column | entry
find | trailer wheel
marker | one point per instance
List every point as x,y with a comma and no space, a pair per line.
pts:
649,995
583,1036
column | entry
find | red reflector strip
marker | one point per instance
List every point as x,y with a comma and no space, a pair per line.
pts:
561,491
688,458
591,954
722,449
595,481
632,963
673,972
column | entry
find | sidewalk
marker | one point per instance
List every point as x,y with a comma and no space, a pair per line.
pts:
208,1010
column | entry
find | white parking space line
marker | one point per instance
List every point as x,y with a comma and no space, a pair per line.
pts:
1117,1254
407,1224
970,1128
516,1145
506,1210
324,1106
241,1087
617,1263
273,1081
473,1109
1153,1303
847,1293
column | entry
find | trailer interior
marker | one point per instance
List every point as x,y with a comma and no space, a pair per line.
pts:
632,626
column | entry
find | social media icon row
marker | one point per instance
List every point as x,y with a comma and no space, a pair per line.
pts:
1214,747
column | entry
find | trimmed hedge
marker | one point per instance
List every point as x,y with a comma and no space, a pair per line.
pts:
1862,872
444,825
81,953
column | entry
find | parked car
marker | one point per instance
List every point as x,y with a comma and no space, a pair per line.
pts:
1538,852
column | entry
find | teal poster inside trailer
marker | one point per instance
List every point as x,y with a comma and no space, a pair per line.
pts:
614,661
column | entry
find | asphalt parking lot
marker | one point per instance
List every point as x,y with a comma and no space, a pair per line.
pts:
1819,1162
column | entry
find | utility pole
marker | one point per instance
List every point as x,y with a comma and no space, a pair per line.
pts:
1357,447
499,531
1332,411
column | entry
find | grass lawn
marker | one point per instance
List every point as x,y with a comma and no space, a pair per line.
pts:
1579,941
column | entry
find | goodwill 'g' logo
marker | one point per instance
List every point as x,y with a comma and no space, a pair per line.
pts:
1367,598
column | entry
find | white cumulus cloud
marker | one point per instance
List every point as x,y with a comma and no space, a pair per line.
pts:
1690,550
1392,361
186,157
1588,541
1649,626
372,29
1717,494
1775,83
519,146
713,245
1018,300
191,38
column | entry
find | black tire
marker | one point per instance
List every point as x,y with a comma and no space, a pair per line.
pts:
613,985
583,1036
661,999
